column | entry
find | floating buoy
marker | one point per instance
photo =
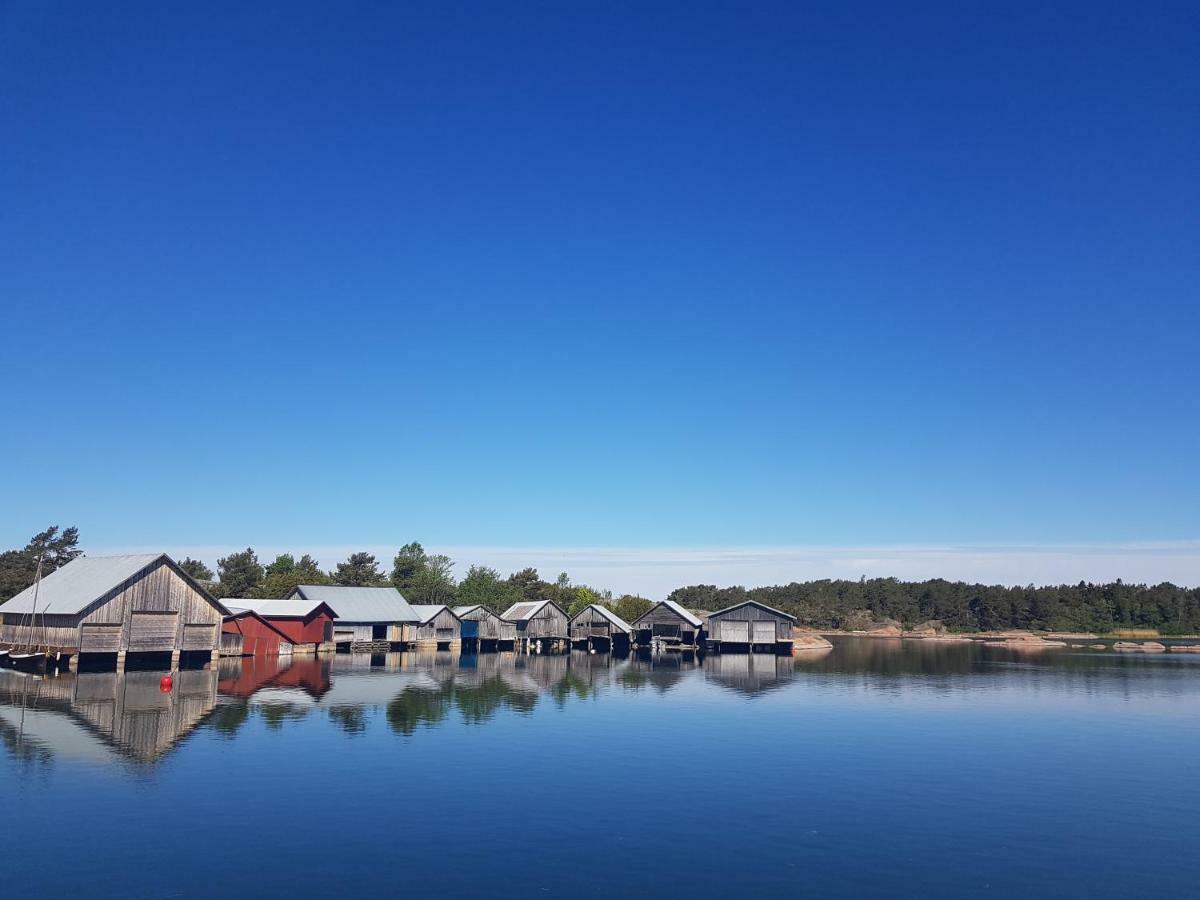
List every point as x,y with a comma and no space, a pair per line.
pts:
166,683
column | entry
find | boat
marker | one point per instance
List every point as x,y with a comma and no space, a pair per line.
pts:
34,663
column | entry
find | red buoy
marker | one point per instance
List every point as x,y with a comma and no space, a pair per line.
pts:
165,684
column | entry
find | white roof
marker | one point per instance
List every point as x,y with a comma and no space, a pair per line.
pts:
295,606
360,604
427,611
608,614
70,590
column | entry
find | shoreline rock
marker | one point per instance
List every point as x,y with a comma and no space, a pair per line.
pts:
1144,647
807,642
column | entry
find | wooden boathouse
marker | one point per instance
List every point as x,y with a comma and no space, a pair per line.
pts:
117,605
245,633
307,624
368,618
597,627
482,629
437,628
539,621
670,626
751,626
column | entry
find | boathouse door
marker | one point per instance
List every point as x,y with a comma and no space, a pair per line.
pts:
764,632
734,632
152,632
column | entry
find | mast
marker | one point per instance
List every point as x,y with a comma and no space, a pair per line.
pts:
37,583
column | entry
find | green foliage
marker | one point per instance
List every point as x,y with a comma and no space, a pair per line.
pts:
1098,608
630,607
18,568
285,573
360,570
196,569
484,587
422,578
240,574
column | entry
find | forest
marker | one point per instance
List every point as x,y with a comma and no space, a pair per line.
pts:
825,604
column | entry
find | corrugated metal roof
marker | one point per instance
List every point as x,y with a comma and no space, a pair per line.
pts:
608,614
770,609
461,611
519,612
426,611
70,590
295,606
360,604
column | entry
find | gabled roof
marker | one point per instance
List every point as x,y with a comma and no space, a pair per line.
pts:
244,612
675,608
70,590
293,607
527,609
616,620
461,611
360,604
763,606
427,612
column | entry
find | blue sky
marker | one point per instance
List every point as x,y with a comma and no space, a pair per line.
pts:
601,275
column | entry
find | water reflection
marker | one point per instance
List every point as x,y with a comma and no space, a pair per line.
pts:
101,716
106,716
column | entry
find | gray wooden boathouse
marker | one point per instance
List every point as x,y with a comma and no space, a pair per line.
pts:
437,627
368,618
669,624
599,627
751,625
539,620
482,629
116,605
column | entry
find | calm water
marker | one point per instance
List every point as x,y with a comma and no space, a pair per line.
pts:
879,768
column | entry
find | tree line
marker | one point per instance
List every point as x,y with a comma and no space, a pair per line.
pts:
826,604
959,606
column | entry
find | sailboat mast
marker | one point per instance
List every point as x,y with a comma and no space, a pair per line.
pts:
37,584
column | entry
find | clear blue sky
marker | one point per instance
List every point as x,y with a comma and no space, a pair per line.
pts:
600,274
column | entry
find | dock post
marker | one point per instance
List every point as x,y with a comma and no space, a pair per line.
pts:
174,660
120,661
73,662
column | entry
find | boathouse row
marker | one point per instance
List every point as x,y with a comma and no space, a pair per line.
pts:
115,605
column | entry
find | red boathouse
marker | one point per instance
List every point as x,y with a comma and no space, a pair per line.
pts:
306,624
259,637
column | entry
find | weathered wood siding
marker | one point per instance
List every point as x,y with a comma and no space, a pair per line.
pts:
346,632
59,631
662,620
591,623
549,622
749,624
491,626
150,612
443,628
